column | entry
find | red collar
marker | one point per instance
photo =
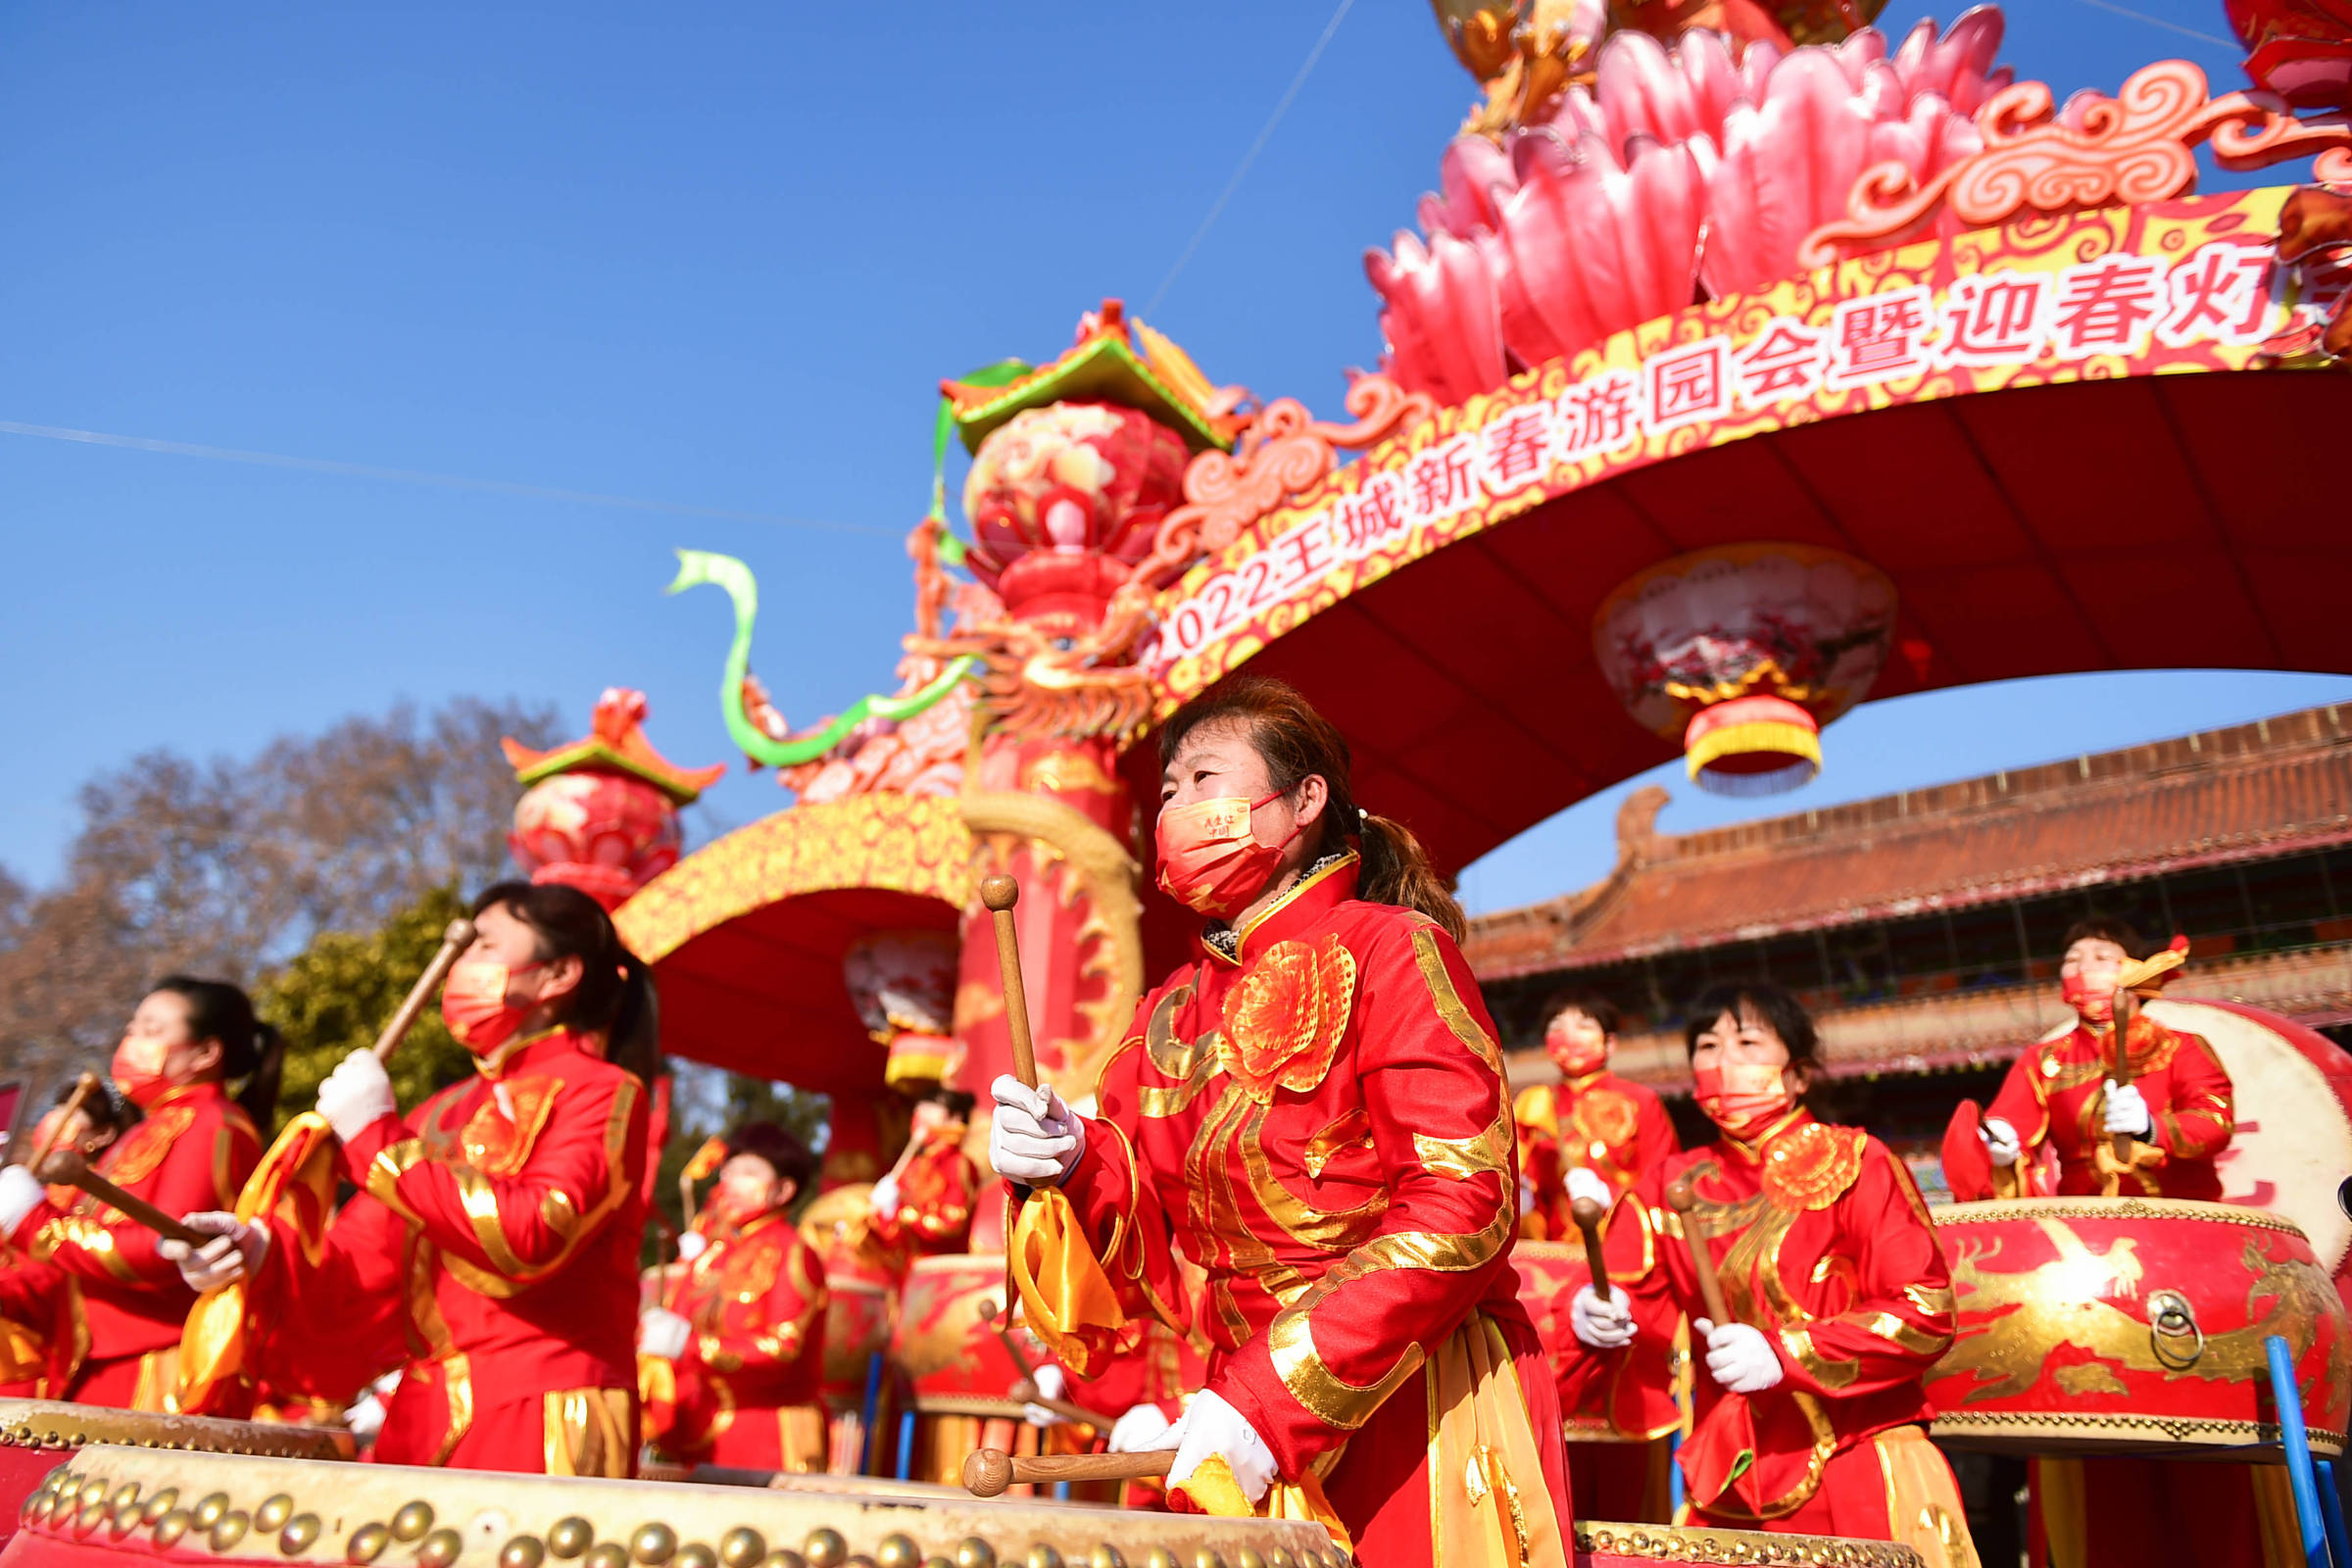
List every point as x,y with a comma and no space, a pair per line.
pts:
531,1051
1748,1154
1314,896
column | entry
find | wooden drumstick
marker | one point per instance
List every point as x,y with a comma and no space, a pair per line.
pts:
1703,1262
1587,1215
83,1088
453,941
1000,893
1026,1393
67,1168
2120,1142
1000,1322
987,1472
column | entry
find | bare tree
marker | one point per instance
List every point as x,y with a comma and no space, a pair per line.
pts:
229,868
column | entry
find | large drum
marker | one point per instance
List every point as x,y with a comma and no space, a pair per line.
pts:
108,1502
953,1360
38,1434
2101,1326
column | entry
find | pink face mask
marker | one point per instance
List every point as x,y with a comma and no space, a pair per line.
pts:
1743,1098
474,1004
2091,1006
1210,861
1578,1050
138,1071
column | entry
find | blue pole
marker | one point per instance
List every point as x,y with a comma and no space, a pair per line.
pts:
873,1395
906,1442
2288,1397
2331,1513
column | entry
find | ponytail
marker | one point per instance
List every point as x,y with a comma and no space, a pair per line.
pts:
250,1049
1296,742
614,999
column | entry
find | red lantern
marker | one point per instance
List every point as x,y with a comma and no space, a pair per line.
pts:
1744,652
602,814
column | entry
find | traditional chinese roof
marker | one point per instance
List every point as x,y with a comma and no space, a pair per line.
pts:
2249,792
615,742
1104,366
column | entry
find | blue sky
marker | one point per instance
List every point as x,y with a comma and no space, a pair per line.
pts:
716,258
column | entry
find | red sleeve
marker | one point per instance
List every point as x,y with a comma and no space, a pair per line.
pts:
1658,1139
2198,1115
935,1199
27,1288
1541,1171
525,1223
1432,1079
204,1169
2020,1103
336,1318
1899,1321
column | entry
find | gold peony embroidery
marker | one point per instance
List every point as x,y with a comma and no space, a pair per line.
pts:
1812,1166
1285,1019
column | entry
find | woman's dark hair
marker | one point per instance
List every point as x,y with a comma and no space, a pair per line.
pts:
250,1049
956,1103
785,1155
615,997
1295,741
107,1110
2106,928
1592,1004
1761,999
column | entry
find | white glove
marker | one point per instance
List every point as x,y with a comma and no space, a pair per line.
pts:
691,1245
2000,1141
21,1192
1052,1381
1141,1429
885,1200
662,1333
366,1417
1582,1183
1601,1325
2127,1110
357,1095
1035,1138
235,1253
1740,1357
1211,1426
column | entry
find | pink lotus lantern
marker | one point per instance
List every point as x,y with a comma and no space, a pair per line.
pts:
602,814
1744,652
904,986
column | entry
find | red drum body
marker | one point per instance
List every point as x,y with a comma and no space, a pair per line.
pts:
858,1324
952,1358
1636,1402
2102,1326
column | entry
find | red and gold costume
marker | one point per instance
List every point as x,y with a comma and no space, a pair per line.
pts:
2056,1092
492,1253
936,1190
1315,1113
1613,1127
745,1394
1822,1241
193,1151
31,1293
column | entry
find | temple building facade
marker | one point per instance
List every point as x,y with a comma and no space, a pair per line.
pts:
1924,929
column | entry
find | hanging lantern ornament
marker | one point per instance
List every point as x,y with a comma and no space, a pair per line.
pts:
1744,651
601,814
903,984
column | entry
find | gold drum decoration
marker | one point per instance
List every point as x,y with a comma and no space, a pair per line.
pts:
478,1518
2100,1326
954,1360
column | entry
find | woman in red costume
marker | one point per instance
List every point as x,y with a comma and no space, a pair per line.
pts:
491,1252
925,1205
743,1338
1314,1112
1810,1415
38,1305
187,1043
2176,1109
1590,1119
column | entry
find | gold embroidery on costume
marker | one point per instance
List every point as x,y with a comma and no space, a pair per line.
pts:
1810,1168
1285,1018
1336,1231
1351,1130
144,1146
1192,1065
1449,1001
1327,1396
497,1143
1486,1154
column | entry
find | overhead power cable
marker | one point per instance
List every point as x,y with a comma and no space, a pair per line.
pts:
2159,22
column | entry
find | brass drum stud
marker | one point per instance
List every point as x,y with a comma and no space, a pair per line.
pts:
824,1549
162,1503
367,1543
415,1518
742,1547
229,1529
1277,1557
169,1528
1104,1556
440,1549
1248,1557
570,1536
274,1511
94,1489
973,1553
301,1530
126,1495
91,1513
653,1543
1208,1557
607,1554
694,1554
1042,1555
939,1562
784,1558
898,1550
523,1551
1159,1557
